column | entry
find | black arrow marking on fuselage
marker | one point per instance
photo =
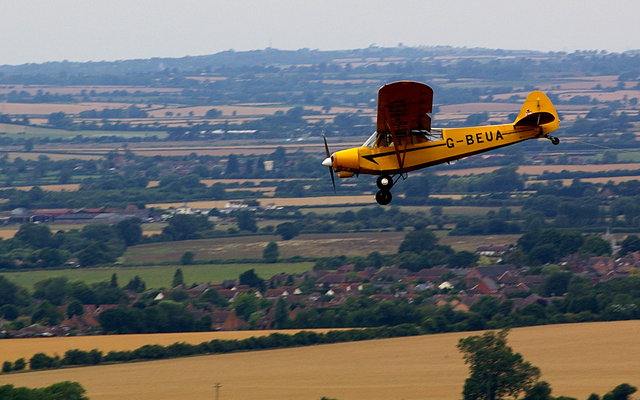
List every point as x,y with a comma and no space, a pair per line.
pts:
372,157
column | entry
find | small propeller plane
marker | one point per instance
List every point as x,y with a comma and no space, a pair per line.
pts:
404,140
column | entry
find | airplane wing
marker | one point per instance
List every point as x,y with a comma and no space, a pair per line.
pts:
403,107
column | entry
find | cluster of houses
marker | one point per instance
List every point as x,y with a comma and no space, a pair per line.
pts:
460,288
111,215
74,216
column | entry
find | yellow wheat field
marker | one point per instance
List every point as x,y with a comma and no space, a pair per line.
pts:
539,169
576,360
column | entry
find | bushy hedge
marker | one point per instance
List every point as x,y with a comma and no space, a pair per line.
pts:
77,357
58,391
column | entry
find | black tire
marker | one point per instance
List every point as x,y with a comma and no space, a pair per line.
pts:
384,182
555,140
384,197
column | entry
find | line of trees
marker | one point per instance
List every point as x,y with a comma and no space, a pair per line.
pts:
58,391
75,357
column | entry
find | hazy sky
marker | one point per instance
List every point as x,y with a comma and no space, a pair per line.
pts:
92,30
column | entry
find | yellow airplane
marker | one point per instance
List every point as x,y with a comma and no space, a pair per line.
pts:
404,140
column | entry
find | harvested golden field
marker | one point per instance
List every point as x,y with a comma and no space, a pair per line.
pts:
33,89
605,179
472,242
12,349
67,187
34,155
48,108
577,360
539,169
306,245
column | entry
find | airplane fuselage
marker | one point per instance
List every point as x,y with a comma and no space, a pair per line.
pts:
404,140
454,143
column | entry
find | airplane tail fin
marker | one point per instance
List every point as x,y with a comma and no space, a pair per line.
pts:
538,111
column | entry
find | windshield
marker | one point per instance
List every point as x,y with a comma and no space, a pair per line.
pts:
371,141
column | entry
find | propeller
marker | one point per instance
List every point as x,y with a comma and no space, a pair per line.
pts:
328,162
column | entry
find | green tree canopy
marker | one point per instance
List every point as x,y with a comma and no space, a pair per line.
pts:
35,235
250,278
418,241
130,230
495,370
271,252
187,258
630,244
178,278
246,221
183,226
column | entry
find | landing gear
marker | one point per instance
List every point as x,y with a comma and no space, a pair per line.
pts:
384,182
383,197
554,140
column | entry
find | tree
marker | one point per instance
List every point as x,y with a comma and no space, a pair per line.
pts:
37,236
65,391
19,364
47,314
136,285
52,289
555,284
245,305
43,361
418,241
233,165
620,392
495,370
178,278
630,244
271,252
213,113
8,291
539,391
250,278
183,226
187,258
114,280
7,366
288,230
595,245
74,308
130,230
9,312
246,221
281,314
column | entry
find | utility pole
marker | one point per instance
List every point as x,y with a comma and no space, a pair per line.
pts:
217,386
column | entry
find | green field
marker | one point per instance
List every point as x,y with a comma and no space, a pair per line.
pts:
158,276
243,247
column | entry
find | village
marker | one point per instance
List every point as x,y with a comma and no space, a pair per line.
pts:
457,288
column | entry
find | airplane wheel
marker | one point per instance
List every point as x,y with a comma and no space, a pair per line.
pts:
384,182
555,140
383,197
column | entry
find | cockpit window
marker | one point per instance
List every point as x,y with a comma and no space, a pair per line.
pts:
385,139
371,141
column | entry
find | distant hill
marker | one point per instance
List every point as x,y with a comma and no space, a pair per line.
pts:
268,56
